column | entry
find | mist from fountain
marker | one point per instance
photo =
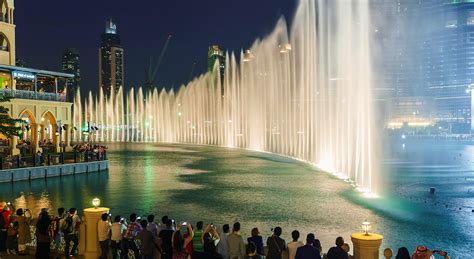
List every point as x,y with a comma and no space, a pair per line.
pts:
304,93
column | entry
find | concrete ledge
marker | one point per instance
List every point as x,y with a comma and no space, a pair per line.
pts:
68,169
81,168
30,173
53,171
6,176
35,172
19,174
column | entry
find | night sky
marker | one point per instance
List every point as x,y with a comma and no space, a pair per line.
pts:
45,28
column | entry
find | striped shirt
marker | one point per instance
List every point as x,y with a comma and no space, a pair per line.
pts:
132,230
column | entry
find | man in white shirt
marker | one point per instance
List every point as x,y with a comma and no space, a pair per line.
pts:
118,228
103,232
293,246
222,247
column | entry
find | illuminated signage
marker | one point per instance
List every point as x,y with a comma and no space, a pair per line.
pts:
23,75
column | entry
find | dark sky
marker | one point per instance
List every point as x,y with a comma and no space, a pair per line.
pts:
45,28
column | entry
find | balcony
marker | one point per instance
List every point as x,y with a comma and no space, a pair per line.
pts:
32,95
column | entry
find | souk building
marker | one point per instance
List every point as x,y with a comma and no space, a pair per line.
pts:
39,97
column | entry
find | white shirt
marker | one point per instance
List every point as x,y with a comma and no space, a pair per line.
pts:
292,246
103,230
117,231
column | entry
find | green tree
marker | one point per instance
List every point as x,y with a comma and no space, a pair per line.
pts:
7,123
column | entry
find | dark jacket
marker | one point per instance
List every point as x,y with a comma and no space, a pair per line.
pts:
275,246
307,252
258,241
337,253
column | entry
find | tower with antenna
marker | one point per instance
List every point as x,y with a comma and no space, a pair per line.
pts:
111,60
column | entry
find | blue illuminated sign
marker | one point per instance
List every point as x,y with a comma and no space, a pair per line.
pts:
23,75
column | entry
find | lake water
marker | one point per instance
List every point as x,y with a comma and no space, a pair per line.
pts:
221,185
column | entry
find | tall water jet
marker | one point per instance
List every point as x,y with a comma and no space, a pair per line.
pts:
304,92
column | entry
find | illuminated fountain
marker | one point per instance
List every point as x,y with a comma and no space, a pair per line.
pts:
303,93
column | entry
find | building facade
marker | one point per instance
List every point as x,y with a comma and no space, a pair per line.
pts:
38,97
111,60
427,62
71,65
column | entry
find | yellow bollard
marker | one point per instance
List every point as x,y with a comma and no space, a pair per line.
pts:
366,246
91,241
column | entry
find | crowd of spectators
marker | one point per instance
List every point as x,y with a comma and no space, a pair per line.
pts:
137,237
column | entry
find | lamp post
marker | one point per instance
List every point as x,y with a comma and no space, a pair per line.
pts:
90,244
366,227
366,245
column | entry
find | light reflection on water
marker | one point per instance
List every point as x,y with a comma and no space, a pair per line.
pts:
219,185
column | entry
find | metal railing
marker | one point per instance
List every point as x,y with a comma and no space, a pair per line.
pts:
32,95
51,159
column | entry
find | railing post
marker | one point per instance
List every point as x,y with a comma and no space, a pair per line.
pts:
34,160
49,159
62,158
75,156
18,162
1,163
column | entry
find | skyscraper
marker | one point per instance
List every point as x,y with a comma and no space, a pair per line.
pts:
71,66
431,64
215,53
110,60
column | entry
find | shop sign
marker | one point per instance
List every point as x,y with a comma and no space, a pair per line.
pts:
23,75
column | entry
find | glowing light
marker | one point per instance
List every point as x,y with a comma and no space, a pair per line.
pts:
96,202
395,125
366,227
404,136
419,124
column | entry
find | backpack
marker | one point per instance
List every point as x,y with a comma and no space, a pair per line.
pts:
66,227
2,220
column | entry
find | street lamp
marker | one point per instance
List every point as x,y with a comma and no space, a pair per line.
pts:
366,227
96,202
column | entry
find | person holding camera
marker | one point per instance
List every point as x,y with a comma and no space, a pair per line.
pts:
118,229
179,242
128,241
165,238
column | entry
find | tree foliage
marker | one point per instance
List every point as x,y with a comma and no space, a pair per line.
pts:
7,124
